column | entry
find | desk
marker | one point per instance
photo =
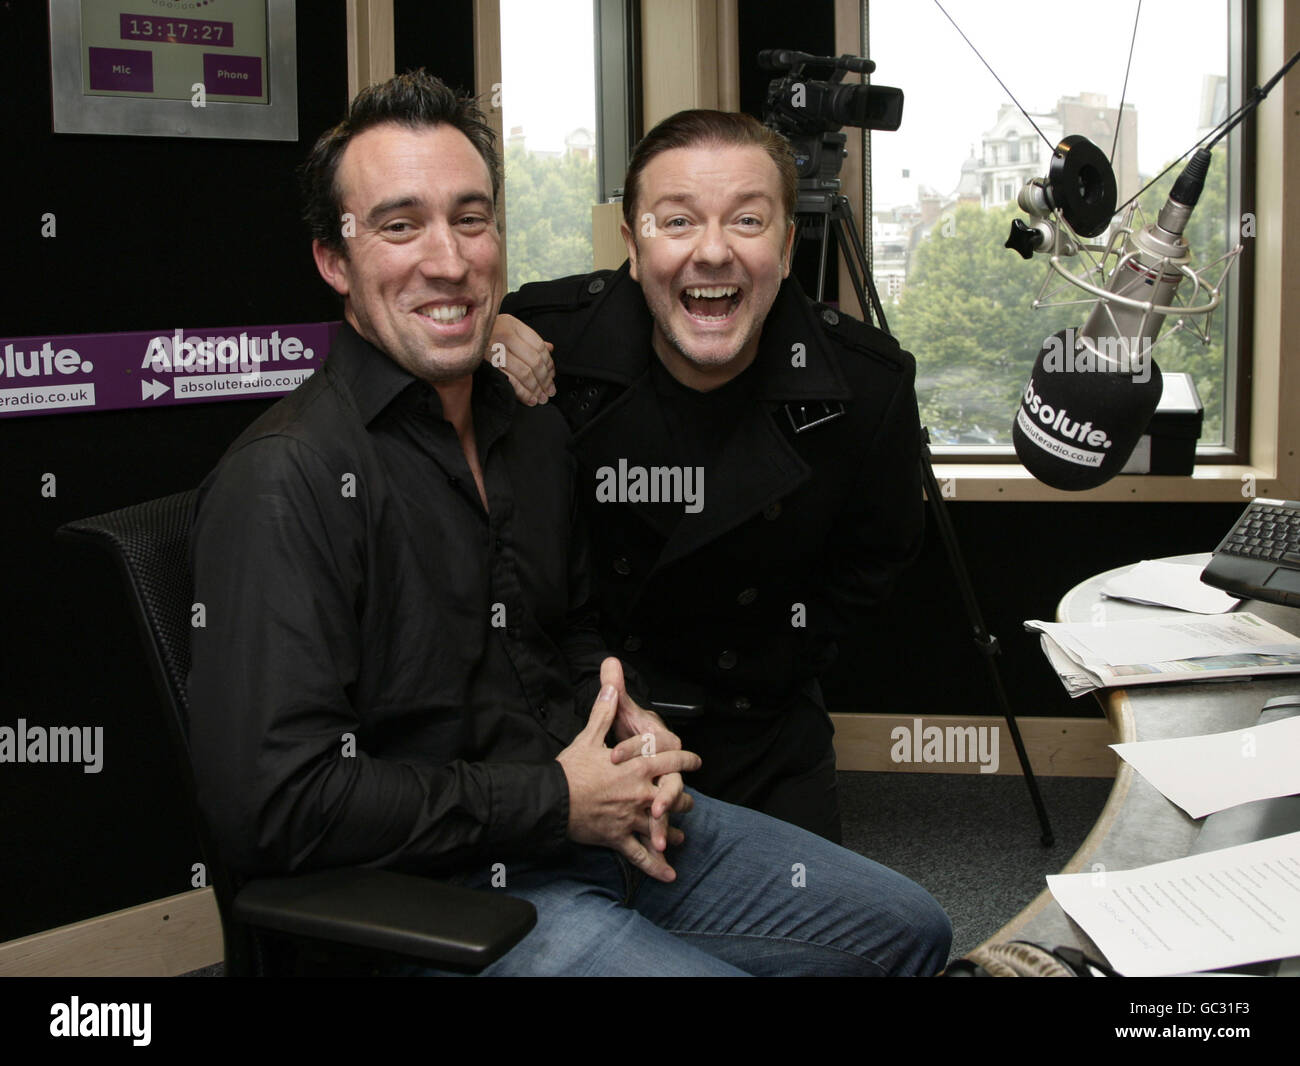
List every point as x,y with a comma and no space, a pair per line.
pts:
1138,826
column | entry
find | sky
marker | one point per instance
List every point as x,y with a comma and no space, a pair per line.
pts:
1041,50
548,80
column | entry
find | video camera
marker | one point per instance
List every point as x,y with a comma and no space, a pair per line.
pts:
805,109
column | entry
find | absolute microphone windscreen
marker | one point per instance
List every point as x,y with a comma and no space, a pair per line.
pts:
1081,416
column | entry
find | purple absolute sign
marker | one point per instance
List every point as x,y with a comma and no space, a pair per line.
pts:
113,371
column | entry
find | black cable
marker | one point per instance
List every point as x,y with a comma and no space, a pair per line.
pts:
995,76
1123,93
1257,96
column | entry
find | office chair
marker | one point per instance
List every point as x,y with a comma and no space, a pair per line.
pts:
269,924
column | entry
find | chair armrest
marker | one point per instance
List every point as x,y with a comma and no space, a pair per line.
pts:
379,909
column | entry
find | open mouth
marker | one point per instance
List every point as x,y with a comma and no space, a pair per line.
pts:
711,303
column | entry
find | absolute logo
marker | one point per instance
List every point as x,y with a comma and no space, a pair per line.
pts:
654,484
60,743
75,1018
947,744
240,354
1058,420
1102,355
42,362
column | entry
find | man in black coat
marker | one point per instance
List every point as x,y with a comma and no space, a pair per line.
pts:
750,460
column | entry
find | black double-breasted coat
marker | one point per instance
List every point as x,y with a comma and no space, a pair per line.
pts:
811,505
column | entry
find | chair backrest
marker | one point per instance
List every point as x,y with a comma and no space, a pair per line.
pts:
150,544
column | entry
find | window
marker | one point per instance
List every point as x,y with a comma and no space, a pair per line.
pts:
548,106
963,304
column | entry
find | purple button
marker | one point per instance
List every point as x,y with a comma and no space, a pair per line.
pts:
232,75
122,70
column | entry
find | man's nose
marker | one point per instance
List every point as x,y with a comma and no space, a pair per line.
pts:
441,255
713,248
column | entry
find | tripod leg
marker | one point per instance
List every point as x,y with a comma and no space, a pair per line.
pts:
984,640
842,233
843,211
821,263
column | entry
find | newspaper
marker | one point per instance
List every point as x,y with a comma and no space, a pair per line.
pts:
1088,656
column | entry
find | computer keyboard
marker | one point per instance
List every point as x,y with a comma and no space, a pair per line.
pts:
1259,559
1267,529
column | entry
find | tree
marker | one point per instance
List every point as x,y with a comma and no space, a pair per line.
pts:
548,221
965,314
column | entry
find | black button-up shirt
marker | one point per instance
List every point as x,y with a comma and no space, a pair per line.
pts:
385,672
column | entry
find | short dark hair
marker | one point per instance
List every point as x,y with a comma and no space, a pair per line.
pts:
687,129
413,99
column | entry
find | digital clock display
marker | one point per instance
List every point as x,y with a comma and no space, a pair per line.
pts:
177,31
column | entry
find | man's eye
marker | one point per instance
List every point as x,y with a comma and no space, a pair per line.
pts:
397,229
676,223
751,222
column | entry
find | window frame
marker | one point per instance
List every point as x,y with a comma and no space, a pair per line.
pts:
618,92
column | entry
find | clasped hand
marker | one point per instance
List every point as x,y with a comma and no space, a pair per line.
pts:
621,797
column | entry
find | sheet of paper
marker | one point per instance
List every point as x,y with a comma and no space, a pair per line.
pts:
1140,641
1204,912
1169,585
1211,773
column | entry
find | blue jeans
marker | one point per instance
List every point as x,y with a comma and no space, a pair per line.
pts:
753,895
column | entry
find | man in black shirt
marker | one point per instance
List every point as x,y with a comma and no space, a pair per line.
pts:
399,658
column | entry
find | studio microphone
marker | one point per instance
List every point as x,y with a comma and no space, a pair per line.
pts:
1093,391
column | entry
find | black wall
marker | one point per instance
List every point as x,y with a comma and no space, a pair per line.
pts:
438,37
152,233
917,654
228,249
